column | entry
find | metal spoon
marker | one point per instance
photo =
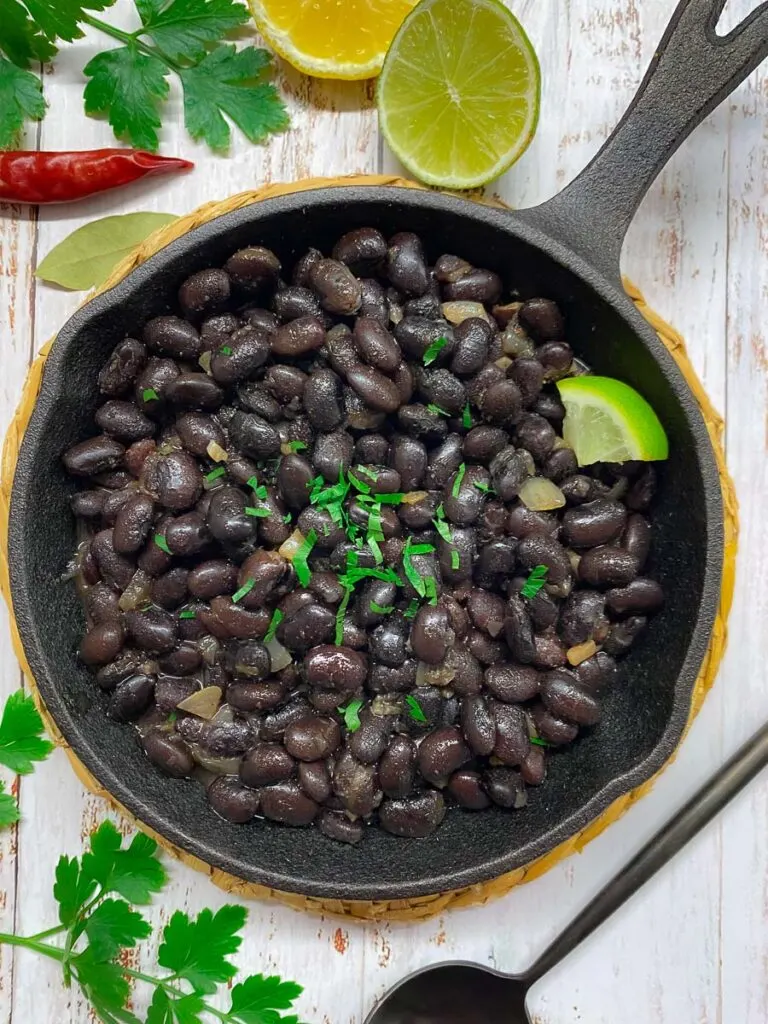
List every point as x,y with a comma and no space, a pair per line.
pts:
461,993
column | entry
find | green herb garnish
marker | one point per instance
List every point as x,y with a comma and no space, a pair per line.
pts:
459,478
373,544
353,576
430,589
485,488
149,395
443,528
21,739
274,622
455,559
414,709
340,614
215,474
381,609
287,517
297,446
412,609
258,489
368,472
258,513
162,543
466,417
434,349
422,549
303,571
172,717
411,572
374,523
225,350
188,613
359,485
382,499
352,715
437,410
536,580
539,742
246,588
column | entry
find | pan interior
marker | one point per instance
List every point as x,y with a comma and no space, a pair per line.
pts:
643,715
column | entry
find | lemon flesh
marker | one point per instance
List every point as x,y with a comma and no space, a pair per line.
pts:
331,38
459,92
608,421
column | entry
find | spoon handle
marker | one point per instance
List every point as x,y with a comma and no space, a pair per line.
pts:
698,812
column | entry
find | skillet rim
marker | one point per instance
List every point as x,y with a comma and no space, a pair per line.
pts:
524,228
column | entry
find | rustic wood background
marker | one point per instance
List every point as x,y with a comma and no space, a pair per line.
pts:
693,949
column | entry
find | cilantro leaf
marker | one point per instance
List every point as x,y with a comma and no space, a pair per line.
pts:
103,983
72,889
21,39
183,28
134,873
9,811
196,950
226,81
112,926
256,996
21,742
127,86
60,19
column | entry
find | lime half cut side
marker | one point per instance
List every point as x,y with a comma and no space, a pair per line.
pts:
459,92
608,421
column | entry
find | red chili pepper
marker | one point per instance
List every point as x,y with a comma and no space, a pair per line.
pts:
35,177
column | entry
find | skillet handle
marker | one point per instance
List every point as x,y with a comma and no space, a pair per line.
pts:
692,71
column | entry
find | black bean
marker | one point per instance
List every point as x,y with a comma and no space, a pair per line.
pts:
482,443
315,780
356,785
371,449
443,389
583,617
226,517
417,421
266,764
183,660
102,643
637,538
153,630
253,269
528,374
254,436
642,491
101,604
245,351
475,285
472,340
215,330
510,468
133,523
502,403
518,630
286,803
535,434
312,625
187,534
331,454
310,739
536,549
114,567
495,561
369,742
512,740
253,397
641,596
174,480
362,250
593,523
414,818
376,345
123,367
431,635
465,786
415,334
486,611
294,302
294,476
298,337
556,357
286,384
152,383
263,571
387,642
304,265
373,302
560,465
444,461
131,698
563,697
372,595
232,801
542,319
505,787
335,825
172,336
392,679
204,291
597,673
339,290
197,431
322,400
441,752
550,650
511,683
457,557
533,769
486,650
464,506
338,668
95,455
172,690
608,567
418,515
622,635
397,767
124,421
405,264
88,504
254,697
478,725
377,391
468,678
211,578
114,502
170,590
169,753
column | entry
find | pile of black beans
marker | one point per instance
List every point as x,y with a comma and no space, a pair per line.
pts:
339,563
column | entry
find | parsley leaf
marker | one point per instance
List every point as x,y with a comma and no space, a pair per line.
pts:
9,811
227,81
135,873
112,926
128,86
414,709
253,998
21,39
21,97
197,950
535,581
103,983
21,742
184,28
352,715
72,889
60,19
160,1011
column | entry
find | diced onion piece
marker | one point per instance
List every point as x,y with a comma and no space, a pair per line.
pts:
205,361
503,362
574,558
580,652
514,342
289,547
217,765
136,593
434,675
504,314
225,715
204,703
241,669
579,369
414,497
171,444
216,452
521,799
279,657
458,312
209,647
384,706
541,495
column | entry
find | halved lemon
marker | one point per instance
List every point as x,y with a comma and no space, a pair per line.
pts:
331,38
608,421
459,92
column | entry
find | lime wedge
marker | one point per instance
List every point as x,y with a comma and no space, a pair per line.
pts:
608,421
459,92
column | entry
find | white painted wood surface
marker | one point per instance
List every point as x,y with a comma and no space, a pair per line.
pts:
693,948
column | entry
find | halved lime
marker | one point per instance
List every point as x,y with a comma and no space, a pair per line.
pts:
459,92
608,421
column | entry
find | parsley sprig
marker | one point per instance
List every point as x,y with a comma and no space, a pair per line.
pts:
21,745
97,895
129,84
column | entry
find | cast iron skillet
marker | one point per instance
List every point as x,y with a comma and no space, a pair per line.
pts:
567,249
